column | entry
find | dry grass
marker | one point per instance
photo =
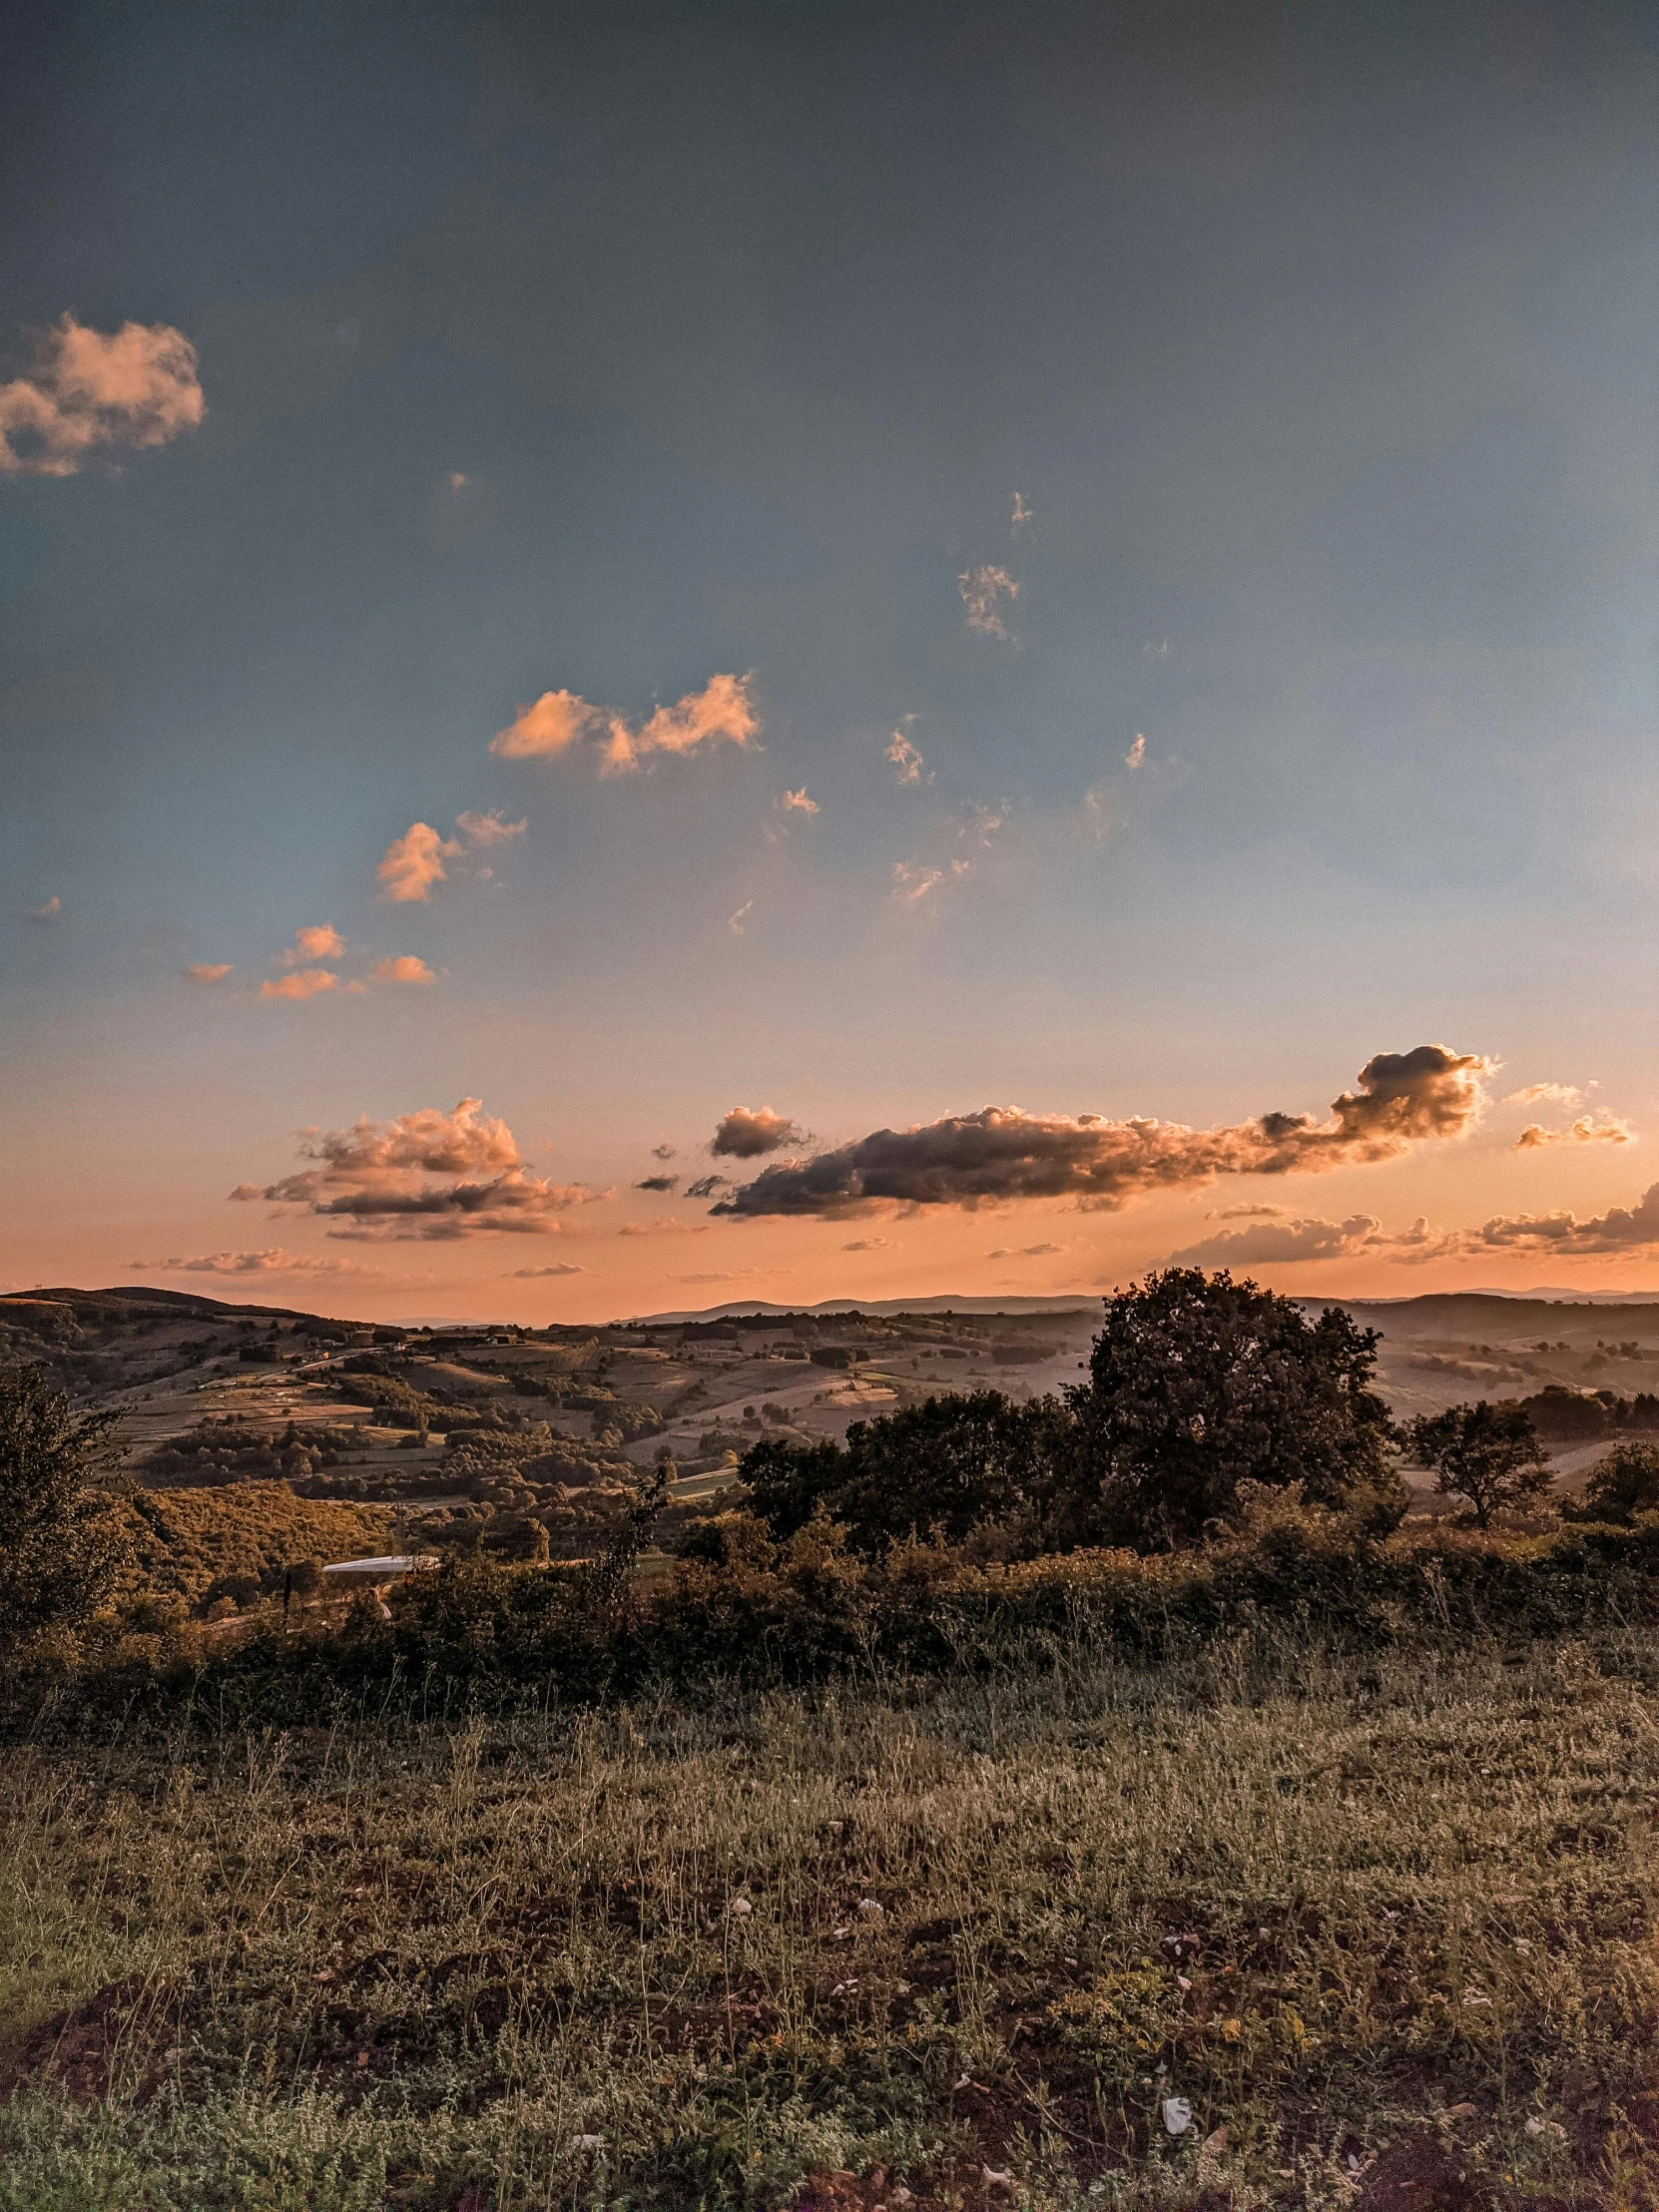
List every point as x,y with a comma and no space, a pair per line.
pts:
849,1943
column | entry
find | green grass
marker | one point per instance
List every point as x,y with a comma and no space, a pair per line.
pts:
1406,1900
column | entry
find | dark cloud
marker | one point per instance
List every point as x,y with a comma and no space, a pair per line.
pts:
1620,1229
428,1175
1000,1154
1290,1239
749,1131
707,1185
659,1182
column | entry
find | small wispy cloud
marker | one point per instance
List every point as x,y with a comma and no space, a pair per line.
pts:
318,941
1550,1094
912,881
904,755
983,591
404,968
872,1243
413,863
664,1152
209,971
670,1227
561,721
302,983
1137,752
272,1260
88,393
1021,519
659,1182
796,802
420,859
531,1274
489,828
1587,1129
735,923
1024,1252
49,912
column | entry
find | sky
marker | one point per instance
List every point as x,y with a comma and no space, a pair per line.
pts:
660,653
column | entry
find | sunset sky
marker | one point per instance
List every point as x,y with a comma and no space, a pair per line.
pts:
698,595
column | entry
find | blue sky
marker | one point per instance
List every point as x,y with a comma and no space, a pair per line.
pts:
612,350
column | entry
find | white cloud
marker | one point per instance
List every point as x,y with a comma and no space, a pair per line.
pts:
318,941
88,393
210,971
420,859
303,983
1602,1128
413,863
489,828
912,883
560,720
1567,1095
905,757
983,591
1137,752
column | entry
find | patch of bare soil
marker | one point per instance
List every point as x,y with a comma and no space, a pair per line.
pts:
79,2049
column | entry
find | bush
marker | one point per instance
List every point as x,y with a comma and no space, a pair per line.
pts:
61,1544
1623,1484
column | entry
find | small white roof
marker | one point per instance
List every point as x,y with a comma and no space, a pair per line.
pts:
392,1563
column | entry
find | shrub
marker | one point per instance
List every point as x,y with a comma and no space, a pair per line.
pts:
1623,1484
61,1545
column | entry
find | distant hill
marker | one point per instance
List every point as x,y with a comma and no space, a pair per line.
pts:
1497,1313
945,1302
184,1301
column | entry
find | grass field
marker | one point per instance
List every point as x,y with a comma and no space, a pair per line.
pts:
1387,1925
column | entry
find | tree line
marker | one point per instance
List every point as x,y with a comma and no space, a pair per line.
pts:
1202,1394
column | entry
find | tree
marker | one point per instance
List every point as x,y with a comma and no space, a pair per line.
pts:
1198,1384
951,1464
60,1544
1623,1484
1490,1454
785,1480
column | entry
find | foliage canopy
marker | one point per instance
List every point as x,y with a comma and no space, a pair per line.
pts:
60,1543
